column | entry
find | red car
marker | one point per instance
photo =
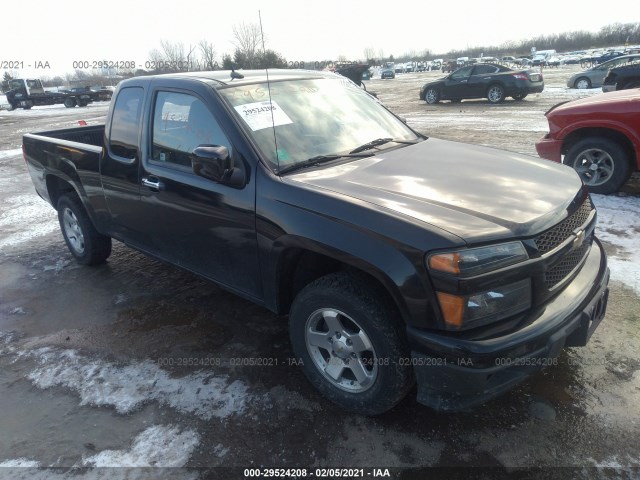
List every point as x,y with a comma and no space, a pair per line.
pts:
598,136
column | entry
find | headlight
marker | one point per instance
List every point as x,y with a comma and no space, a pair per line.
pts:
479,308
485,307
474,261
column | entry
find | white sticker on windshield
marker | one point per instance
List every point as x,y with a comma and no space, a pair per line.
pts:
258,115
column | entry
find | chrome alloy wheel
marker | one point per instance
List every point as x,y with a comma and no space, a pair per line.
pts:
73,231
341,350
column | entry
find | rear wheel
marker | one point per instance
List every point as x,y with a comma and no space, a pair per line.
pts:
431,96
351,343
83,240
602,164
82,103
495,93
519,96
69,102
583,83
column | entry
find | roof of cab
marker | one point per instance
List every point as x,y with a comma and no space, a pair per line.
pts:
223,77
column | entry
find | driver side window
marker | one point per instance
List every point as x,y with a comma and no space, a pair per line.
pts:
462,73
181,122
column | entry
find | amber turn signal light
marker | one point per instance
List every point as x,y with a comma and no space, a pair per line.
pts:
452,307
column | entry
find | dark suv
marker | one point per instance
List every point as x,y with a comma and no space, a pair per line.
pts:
622,78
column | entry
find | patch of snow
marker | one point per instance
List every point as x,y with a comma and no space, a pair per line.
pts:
477,122
619,225
120,298
616,463
17,311
25,217
220,450
157,446
10,153
58,267
128,387
19,463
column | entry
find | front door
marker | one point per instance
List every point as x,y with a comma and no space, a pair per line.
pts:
204,226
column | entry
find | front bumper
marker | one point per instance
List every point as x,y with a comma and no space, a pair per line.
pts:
549,148
454,373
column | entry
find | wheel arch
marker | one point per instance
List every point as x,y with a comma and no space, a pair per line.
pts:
56,187
610,134
302,262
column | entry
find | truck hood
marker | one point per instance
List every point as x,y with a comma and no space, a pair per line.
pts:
598,102
475,193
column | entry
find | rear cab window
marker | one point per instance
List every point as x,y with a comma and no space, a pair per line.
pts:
124,136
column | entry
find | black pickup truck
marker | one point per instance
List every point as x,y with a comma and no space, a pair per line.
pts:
398,258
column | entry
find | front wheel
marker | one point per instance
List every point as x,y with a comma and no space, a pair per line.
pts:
351,344
583,83
601,163
495,94
431,96
83,240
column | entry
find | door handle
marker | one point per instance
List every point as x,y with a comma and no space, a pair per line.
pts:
153,183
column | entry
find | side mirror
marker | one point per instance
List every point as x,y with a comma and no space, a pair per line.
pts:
214,163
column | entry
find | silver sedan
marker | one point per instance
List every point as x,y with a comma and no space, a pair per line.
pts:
593,77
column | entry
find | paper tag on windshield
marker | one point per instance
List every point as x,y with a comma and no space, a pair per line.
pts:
258,115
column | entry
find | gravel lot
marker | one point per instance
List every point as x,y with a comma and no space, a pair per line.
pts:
138,364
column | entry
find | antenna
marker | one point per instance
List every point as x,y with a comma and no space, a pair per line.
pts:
266,70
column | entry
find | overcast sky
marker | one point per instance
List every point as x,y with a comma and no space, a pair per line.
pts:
63,31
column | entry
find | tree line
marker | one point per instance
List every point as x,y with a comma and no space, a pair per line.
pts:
173,57
613,35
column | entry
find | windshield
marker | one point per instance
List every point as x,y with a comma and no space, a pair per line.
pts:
312,117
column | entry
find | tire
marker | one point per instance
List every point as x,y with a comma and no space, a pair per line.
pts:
582,83
83,240
82,103
361,367
495,93
602,164
28,106
69,102
519,96
432,96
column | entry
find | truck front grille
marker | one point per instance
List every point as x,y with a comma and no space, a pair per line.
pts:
566,265
553,237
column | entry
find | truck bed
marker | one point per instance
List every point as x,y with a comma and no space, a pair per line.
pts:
91,135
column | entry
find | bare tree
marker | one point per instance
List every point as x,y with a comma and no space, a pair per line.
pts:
208,55
369,54
248,39
171,57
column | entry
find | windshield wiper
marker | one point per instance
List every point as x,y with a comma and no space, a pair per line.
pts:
380,141
318,159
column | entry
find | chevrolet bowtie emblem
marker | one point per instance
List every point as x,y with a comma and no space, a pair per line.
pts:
579,240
